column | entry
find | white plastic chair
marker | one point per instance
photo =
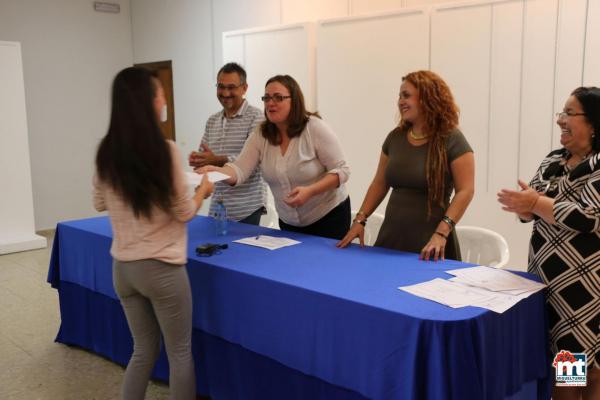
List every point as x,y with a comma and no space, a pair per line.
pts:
371,228
482,246
271,218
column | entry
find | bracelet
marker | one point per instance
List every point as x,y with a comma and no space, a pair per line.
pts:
441,234
449,221
361,213
363,222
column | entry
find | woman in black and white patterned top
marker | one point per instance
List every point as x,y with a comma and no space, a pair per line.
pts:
563,200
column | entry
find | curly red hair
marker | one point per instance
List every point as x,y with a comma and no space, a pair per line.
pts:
440,117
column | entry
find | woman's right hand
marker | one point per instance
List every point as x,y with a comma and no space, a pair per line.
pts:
224,170
206,168
356,231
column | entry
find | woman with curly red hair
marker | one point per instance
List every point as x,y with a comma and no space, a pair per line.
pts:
423,160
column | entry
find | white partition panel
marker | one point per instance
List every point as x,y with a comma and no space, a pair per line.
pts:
509,63
371,6
591,71
537,104
233,49
503,144
230,15
536,109
17,229
312,10
570,44
265,52
460,53
289,51
477,49
360,64
505,96
410,3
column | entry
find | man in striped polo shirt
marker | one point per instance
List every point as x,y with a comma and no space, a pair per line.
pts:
223,140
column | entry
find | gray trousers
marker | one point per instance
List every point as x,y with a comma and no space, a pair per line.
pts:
156,297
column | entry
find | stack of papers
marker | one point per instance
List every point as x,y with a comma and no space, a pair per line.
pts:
267,242
496,280
485,287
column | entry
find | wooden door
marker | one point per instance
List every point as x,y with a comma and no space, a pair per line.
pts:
165,75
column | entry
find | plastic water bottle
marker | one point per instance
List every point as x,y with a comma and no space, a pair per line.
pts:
220,218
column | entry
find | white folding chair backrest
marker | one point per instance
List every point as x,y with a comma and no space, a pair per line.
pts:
271,218
482,246
371,229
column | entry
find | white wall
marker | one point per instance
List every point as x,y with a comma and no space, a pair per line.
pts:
231,15
180,31
294,45
16,202
591,74
358,84
70,55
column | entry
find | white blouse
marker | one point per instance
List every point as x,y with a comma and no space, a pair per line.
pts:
309,157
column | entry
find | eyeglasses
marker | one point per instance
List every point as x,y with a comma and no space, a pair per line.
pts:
220,86
277,98
565,114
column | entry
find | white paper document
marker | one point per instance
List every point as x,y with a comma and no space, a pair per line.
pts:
194,179
445,292
496,280
496,301
267,242
485,287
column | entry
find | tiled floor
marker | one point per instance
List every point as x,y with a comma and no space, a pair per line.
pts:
32,365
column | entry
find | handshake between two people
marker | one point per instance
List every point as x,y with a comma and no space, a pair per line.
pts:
206,161
198,160
211,166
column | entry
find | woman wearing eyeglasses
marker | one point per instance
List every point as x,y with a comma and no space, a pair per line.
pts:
301,159
423,160
140,181
563,200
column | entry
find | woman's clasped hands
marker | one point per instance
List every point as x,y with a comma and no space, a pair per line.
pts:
521,202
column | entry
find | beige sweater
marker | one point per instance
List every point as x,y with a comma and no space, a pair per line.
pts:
164,236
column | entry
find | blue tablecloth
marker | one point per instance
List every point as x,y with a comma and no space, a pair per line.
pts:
333,314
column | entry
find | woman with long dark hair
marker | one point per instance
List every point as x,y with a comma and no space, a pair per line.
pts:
140,181
423,160
301,159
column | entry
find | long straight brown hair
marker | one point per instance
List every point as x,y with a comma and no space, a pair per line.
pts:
298,116
134,158
440,114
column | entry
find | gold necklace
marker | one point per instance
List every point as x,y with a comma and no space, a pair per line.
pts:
412,135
